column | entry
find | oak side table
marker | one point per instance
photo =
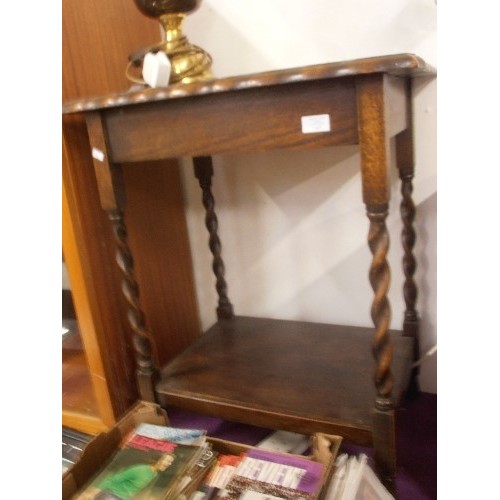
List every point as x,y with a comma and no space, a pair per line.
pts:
299,376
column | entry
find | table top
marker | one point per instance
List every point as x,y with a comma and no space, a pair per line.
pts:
408,65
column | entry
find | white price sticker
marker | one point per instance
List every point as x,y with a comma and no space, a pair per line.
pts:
313,124
98,154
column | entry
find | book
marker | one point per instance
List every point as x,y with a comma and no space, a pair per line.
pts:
353,474
217,477
370,488
141,473
354,479
193,476
337,482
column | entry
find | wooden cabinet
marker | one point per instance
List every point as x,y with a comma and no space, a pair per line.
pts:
99,382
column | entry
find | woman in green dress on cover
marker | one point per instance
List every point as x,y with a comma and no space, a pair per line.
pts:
127,482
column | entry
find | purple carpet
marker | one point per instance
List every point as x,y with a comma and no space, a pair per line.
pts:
416,441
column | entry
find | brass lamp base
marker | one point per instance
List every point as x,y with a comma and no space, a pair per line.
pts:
189,62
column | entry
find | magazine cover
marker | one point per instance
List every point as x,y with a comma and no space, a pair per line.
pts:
140,474
171,434
292,471
243,487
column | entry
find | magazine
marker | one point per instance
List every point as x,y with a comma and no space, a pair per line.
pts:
292,471
355,480
171,434
262,474
240,486
140,473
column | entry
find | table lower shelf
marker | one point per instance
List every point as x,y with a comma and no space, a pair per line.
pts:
291,375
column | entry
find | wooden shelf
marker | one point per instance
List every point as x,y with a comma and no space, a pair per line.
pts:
79,405
262,371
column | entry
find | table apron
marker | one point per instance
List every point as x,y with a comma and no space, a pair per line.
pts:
257,119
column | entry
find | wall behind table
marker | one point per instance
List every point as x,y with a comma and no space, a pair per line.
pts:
292,224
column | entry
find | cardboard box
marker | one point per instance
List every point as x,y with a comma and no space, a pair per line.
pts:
324,448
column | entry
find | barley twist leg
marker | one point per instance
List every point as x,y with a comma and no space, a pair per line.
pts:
141,337
204,170
378,241
408,238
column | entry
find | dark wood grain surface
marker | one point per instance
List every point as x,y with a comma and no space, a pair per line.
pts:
248,120
398,65
293,375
